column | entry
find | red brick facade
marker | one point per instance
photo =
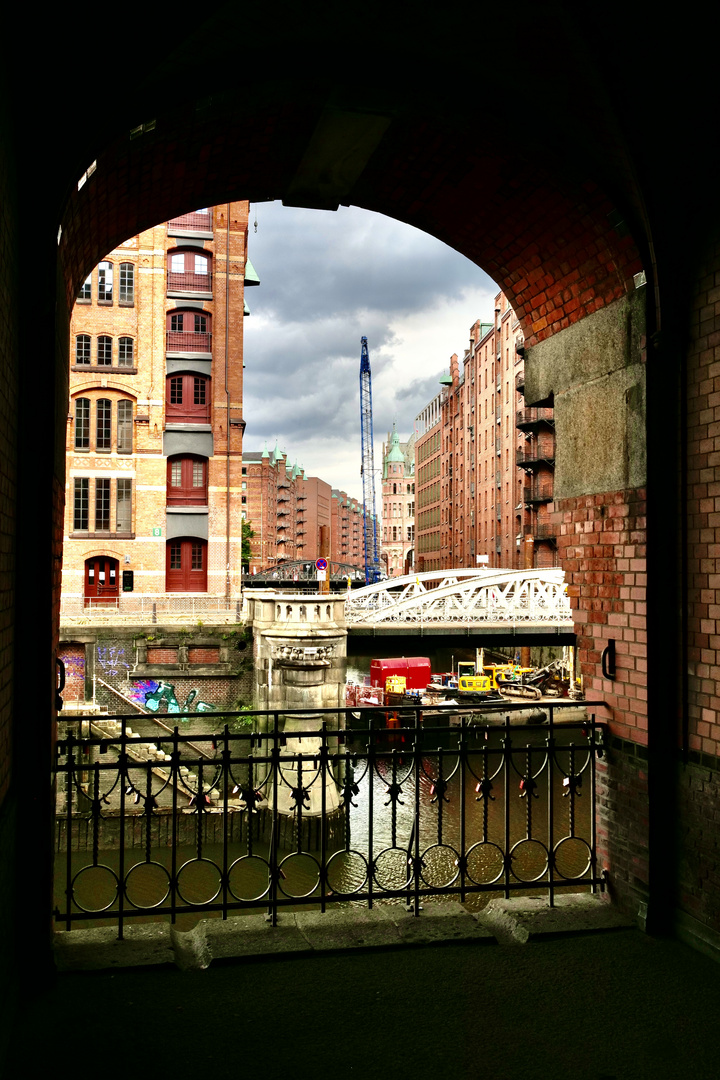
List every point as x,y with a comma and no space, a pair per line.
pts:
484,462
601,545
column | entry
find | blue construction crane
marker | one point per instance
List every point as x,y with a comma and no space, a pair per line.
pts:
372,563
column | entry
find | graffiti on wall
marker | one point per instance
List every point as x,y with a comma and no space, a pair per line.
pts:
111,661
151,693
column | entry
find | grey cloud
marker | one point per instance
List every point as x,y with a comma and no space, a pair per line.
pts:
327,280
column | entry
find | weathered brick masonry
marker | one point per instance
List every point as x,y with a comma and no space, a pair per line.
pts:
601,542
699,772
602,548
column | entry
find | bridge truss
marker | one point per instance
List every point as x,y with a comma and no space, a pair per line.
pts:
467,597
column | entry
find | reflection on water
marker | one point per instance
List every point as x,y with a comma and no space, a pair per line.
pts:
379,838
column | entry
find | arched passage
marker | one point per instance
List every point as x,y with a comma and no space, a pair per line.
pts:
527,158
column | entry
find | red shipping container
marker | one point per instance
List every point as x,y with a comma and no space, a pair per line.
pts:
416,670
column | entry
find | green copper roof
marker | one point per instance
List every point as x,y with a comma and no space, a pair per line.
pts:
251,277
446,380
265,452
395,453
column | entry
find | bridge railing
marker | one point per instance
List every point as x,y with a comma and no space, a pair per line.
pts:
408,806
499,596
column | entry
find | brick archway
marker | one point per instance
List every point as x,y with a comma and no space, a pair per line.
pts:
533,157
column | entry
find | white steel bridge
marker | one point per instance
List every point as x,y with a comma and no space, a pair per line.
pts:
521,602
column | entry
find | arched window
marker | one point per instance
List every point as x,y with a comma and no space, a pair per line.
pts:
82,424
86,289
187,399
189,331
103,424
189,271
186,565
127,283
124,427
82,349
126,352
187,481
105,283
104,351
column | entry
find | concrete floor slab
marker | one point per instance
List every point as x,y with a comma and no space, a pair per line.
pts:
608,1006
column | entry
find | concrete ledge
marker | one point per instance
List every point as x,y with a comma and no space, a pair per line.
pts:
528,918
99,949
361,929
243,937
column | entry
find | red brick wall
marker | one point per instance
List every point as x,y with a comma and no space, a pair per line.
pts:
198,654
72,655
162,655
601,546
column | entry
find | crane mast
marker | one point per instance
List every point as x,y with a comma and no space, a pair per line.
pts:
372,563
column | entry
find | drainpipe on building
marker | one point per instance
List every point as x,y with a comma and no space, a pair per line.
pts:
528,563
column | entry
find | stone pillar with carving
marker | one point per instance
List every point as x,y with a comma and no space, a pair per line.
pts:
300,661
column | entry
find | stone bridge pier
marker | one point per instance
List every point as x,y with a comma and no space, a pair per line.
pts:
300,661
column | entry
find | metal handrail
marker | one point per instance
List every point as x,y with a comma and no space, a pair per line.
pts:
338,794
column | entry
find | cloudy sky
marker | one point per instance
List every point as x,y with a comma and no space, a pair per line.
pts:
327,279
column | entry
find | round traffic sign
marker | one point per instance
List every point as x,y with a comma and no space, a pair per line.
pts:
321,564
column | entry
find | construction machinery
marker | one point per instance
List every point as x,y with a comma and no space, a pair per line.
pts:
367,471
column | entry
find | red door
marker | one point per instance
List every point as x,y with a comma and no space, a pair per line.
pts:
188,399
187,481
101,580
186,568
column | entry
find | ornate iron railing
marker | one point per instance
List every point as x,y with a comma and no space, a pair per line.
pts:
468,597
455,804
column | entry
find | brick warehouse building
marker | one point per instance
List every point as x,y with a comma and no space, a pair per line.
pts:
607,246
155,424
346,529
484,461
152,518
295,516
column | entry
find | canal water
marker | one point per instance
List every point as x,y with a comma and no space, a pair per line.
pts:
374,833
